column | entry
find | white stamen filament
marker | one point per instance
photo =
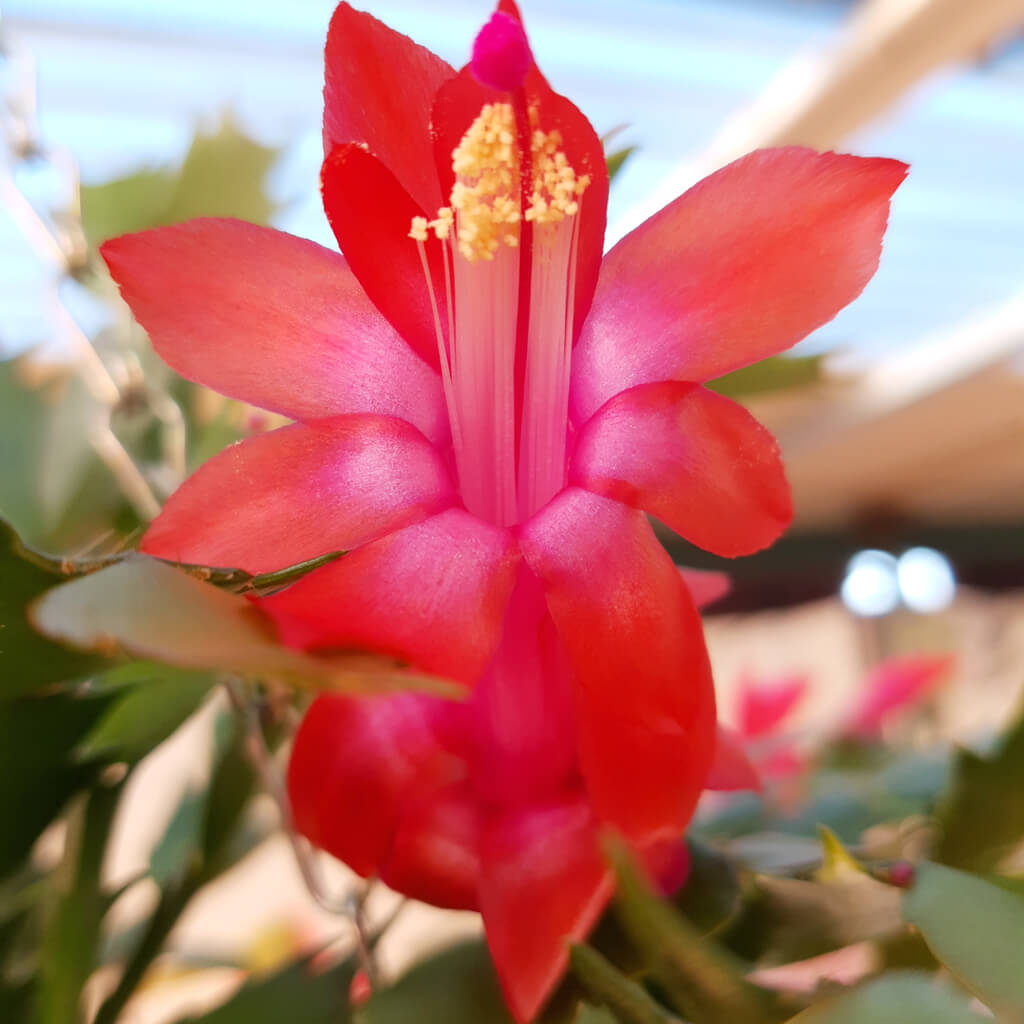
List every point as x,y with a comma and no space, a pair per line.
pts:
504,478
444,355
486,302
546,391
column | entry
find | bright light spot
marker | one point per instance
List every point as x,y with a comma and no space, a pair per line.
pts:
870,586
926,580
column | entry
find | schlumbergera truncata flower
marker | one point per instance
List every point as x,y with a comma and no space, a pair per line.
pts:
485,412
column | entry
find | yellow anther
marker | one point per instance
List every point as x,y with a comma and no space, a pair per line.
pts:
485,199
486,191
555,184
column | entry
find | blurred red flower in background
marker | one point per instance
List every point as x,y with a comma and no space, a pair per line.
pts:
762,746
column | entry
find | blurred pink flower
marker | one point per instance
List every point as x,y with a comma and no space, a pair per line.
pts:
760,748
892,688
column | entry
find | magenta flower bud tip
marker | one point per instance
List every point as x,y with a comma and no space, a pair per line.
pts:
901,874
501,53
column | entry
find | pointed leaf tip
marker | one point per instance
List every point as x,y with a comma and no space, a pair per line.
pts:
838,864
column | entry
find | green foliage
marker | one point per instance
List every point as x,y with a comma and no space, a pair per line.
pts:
617,160
788,919
151,702
778,373
27,659
456,986
976,930
179,848
589,1014
224,174
982,816
704,982
65,715
206,838
713,894
629,1002
46,416
847,800
900,998
148,609
39,766
72,936
295,993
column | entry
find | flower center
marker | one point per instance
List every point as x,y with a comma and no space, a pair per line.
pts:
510,281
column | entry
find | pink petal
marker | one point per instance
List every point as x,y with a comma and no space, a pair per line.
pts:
740,267
434,855
292,494
783,763
762,705
542,882
697,461
895,685
271,319
374,236
356,764
705,585
434,593
732,768
379,89
644,702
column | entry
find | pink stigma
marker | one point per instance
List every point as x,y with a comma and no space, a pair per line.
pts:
501,53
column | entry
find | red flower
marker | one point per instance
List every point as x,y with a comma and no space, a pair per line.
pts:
485,411
487,804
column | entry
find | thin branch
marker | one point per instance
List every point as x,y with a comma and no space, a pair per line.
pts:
350,905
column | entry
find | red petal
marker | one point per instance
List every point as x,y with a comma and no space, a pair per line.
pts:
356,763
699,462
521,739
893,685
542,882
370,214
705,585
511,8
290,495
742,266
434,593
379,90
434,855
645,708
763,706
271,319
731,769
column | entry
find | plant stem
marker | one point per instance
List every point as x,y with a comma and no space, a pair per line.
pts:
173,901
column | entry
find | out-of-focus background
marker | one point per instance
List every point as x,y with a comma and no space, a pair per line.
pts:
905,443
